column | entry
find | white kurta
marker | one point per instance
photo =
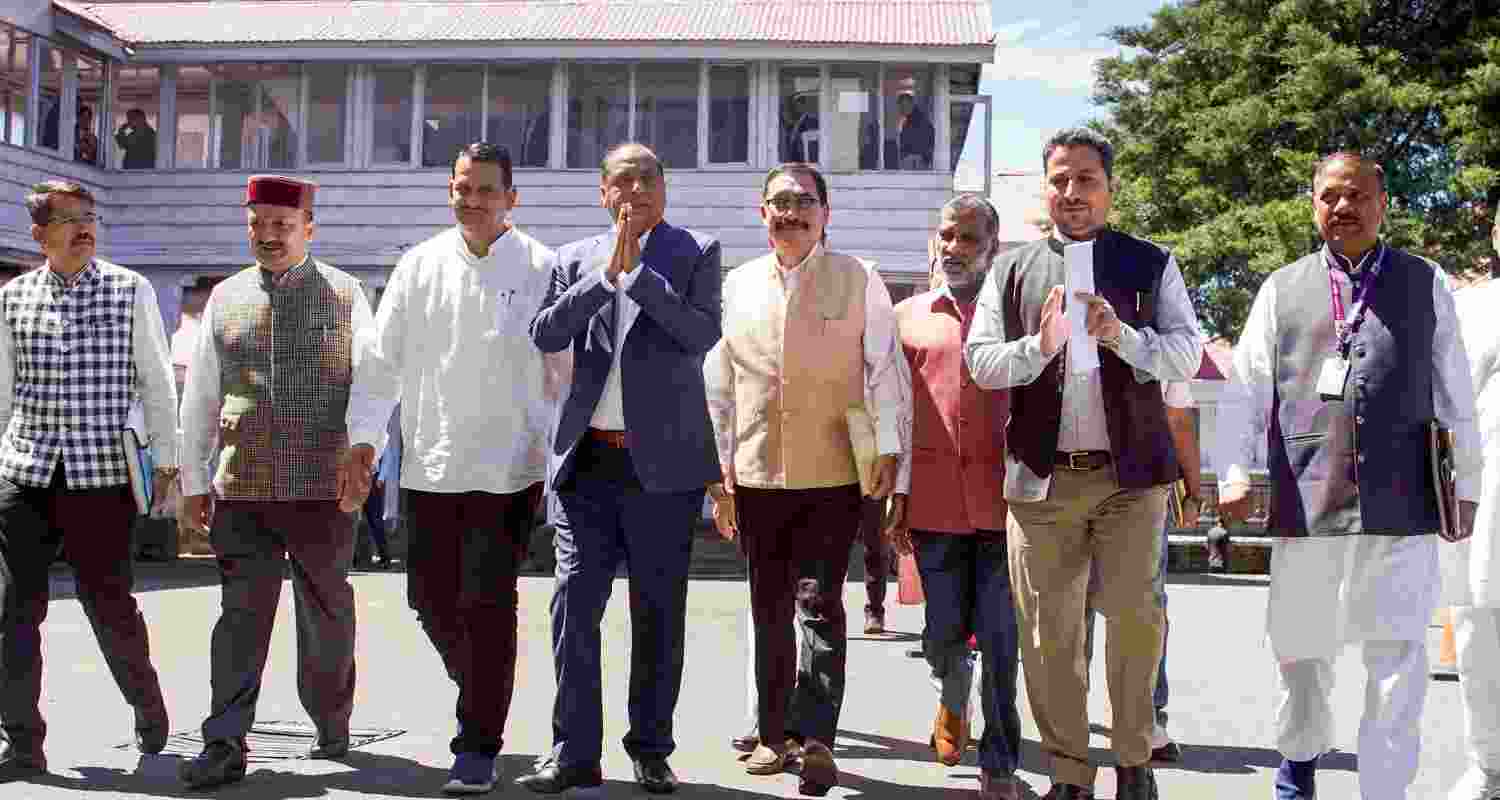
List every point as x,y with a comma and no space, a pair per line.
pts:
1471,569
1328,591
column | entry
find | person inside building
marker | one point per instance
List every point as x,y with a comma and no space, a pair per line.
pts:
137,141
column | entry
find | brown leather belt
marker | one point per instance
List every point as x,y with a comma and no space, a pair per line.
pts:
1084,460
620,439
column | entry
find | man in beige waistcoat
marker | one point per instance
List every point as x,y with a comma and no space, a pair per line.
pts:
807,334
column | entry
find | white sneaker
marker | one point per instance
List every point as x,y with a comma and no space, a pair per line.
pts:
1477,784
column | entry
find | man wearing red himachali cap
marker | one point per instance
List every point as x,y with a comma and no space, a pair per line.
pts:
268,382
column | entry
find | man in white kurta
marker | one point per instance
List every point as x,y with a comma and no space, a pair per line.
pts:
1471,570
1341,570
453,347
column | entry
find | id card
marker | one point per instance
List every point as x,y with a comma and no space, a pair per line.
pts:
1331,379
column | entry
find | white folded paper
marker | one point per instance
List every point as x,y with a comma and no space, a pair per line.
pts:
1083,349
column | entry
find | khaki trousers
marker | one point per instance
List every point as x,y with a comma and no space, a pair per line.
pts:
1088,519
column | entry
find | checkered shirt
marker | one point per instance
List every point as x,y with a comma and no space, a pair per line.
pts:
285,366
74,375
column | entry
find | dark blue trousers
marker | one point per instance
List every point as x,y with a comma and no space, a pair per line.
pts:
605,518
967,583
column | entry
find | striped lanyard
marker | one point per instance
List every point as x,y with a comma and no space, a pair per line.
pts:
1363,283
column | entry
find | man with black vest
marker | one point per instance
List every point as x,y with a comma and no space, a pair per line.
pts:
1089,454
1346,356
268,389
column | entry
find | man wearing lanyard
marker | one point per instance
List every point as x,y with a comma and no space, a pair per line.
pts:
1347,355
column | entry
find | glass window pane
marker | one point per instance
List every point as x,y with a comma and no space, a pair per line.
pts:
521,112
90,104
256,115
729,115
967,125
666,112
853,130
453,112
963,79
136,108
327,112
392,115
598,111
15,75
49,101
193,141
800,89
910,135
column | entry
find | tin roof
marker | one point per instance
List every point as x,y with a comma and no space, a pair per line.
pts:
921,23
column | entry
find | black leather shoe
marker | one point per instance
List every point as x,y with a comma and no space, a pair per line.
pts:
17,764
1169,753
550,778
1135,783
654,775
222,761
1068,791
151,729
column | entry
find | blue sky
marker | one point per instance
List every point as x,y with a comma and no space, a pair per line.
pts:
1043,71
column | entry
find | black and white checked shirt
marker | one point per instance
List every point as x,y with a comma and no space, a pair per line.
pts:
72,360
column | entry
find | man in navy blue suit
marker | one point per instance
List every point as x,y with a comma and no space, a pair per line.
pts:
639,306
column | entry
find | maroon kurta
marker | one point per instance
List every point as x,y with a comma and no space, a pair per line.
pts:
958,429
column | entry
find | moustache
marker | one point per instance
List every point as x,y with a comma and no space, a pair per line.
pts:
84,240
269,246
789,225
955,264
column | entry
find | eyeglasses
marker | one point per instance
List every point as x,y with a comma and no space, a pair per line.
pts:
78,219
786,202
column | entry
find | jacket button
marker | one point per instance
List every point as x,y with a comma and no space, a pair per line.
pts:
1359,420
1361,458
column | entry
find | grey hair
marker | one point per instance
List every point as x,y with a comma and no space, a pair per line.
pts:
969,201
1087,137
623,152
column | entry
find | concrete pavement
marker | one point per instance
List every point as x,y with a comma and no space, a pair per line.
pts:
1221,712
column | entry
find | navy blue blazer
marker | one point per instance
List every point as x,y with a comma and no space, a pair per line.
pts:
661,366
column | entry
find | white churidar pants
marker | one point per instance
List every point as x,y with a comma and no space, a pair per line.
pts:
1379,591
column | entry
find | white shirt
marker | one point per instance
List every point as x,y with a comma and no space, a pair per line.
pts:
609,414
887,377
1471,568
1171,352
1242,437
155,383
202,396
452,346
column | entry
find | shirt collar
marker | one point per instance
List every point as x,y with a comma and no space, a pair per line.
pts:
1341,262
291,277
86,275
462,245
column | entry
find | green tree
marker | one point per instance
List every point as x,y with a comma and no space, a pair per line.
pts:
1220,108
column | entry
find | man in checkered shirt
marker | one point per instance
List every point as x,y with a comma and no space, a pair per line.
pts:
80,338
267,389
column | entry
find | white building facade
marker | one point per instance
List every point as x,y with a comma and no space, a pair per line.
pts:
372,99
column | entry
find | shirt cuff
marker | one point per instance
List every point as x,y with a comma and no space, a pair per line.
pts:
195,481
1235,475
888,439
1130,344
370,436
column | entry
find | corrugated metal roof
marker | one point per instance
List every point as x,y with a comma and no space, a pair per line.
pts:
927,23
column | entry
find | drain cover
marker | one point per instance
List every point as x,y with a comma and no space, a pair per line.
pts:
272,741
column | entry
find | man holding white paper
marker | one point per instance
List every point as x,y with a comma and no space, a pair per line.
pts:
1089,454
809,333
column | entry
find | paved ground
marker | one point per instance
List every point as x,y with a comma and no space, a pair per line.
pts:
1221,685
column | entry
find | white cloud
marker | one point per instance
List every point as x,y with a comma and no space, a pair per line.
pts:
1016,31
1063,69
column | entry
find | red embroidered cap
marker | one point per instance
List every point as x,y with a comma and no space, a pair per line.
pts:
279,190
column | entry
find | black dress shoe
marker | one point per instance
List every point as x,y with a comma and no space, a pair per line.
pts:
17,764
1169,753
1135,783
1068,791
222,761
330,748
550,778
654,775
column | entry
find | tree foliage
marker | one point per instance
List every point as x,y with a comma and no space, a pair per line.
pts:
1220,108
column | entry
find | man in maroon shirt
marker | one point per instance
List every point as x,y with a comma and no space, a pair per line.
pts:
948,507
